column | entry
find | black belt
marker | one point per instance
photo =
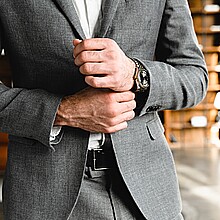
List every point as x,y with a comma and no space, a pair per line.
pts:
101,158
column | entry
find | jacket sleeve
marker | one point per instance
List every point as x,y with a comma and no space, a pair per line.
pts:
26,113
178,77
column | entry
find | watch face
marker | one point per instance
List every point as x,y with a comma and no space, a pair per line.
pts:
143,80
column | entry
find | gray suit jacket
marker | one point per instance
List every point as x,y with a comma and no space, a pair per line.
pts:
42,181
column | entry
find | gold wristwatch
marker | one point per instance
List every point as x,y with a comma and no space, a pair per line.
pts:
141,77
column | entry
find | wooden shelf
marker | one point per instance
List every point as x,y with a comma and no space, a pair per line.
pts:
213,88
180,126
214,68
207,31
200,11
211,49
200,107
177,123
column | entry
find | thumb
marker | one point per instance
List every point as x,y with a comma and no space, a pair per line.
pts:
76,42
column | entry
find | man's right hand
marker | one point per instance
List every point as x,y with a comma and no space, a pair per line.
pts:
97,110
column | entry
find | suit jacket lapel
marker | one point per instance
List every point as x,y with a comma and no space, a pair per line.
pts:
108,9
69,11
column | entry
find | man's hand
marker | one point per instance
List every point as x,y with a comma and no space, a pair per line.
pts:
97,110
104,64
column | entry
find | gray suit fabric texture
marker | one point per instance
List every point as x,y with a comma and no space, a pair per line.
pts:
42,180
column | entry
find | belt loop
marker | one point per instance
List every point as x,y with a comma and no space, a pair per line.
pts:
88,172
108,143
103,140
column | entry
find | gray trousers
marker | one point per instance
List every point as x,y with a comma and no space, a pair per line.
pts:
104,196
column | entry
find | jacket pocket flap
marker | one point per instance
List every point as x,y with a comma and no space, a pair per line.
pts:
21,140
155,128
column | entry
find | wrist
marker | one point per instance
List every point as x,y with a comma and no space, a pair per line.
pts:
61,118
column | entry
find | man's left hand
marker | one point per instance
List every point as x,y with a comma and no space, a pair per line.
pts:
104,64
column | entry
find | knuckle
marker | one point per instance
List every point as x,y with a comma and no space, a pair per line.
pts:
112,122
110,97
107,130
86,68
134,104
111,42
117,80
132,95
110,55
108,41
95,54
83,56
132,115
79,60
113,112
94,82
85,43
128,106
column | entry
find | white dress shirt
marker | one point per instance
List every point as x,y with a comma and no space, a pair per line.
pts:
90,16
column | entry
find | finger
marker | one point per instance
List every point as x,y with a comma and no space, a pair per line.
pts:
120,122
100,68
126,116
88,57
124,96
93,44
101,81
106,128
76,42
93,69
116,128
127,106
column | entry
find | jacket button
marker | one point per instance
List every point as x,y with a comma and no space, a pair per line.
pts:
153,108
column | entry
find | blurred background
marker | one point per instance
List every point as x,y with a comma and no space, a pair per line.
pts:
193,134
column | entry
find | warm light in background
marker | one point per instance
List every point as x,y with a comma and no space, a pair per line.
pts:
217,101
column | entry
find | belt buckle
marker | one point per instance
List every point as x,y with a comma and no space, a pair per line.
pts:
95,153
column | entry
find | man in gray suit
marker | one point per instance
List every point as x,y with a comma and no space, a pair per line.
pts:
85,139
